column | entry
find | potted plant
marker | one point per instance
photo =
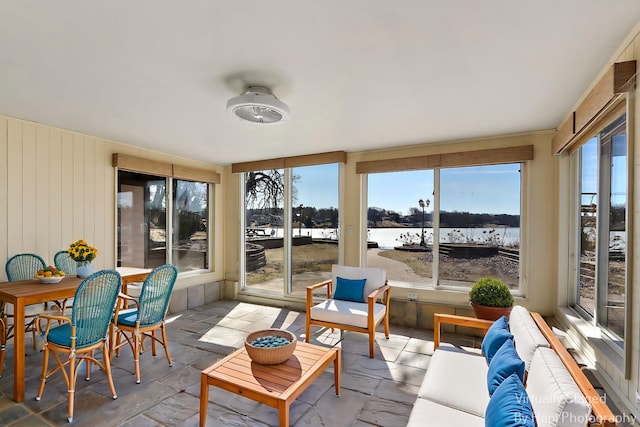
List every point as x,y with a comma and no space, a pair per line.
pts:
490,298
83,254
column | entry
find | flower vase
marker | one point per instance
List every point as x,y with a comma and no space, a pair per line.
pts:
84,269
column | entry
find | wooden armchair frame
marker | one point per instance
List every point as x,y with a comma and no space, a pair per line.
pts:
383,293
601,413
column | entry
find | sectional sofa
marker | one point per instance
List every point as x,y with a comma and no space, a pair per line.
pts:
532,378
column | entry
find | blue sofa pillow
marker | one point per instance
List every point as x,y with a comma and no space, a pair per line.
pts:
504,363
497,334
509,406
349,289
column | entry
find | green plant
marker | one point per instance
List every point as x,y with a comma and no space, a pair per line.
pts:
492,292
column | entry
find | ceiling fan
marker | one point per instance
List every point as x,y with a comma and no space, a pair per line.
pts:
258,105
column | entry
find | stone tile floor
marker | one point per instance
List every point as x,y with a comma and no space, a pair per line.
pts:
375,392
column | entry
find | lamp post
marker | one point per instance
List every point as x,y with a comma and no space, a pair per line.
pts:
423,204
300,219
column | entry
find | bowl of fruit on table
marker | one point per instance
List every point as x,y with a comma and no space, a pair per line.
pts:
49,274
270,346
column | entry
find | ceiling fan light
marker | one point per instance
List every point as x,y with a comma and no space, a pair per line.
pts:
258,105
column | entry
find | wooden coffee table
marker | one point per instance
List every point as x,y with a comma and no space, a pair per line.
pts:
274,385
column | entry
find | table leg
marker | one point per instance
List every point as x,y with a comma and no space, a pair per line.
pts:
283,413
18,351
204,399
337,365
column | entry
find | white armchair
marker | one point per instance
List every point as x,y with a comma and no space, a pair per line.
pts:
344,309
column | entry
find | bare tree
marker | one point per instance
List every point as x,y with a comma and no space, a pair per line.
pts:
264,189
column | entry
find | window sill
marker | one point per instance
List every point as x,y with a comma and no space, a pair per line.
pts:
594,337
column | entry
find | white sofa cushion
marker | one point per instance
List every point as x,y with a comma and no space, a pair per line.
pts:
428,413
376,277
554,395
347,312
456,379
526,334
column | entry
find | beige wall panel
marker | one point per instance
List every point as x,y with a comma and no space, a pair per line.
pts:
29,187
78,189
231,224
55,193
4,158
14,189
44,165
66,190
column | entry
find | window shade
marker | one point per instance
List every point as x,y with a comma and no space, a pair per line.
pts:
156,167
290,162
449,160
599,103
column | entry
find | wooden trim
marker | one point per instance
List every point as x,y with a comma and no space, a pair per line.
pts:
290,162
618,80
141,165
156,167
193,174
316,159
491,156
601,411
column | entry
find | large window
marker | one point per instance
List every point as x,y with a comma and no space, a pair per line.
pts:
145,209
473,211
291,228
601,227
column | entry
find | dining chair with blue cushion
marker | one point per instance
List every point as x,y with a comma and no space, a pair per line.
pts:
76,338
132,325
20,267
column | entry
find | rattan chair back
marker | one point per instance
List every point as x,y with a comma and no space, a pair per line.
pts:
155,294
64,262
23,266
93,306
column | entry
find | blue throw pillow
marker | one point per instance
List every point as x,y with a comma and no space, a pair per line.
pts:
504,363
349,289
497,334
509,406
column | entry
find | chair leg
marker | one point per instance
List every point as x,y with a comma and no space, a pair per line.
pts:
3,343
71,386
107,370
45,366
153,342
165,344
307,332
137,339
372,338
386,327
87,363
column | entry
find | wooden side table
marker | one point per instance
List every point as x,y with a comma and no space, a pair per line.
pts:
274,385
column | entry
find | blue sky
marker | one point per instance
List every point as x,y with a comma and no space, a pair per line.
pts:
486,189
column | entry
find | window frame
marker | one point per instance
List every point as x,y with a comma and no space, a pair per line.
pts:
620,344
287,166
169,183
520,157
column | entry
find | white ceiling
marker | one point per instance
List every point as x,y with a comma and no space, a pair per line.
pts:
356,74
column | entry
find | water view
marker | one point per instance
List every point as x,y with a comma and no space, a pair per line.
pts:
388,238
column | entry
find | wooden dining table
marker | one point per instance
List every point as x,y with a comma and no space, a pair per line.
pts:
27,292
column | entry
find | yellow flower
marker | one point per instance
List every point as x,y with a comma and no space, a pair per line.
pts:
82,251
